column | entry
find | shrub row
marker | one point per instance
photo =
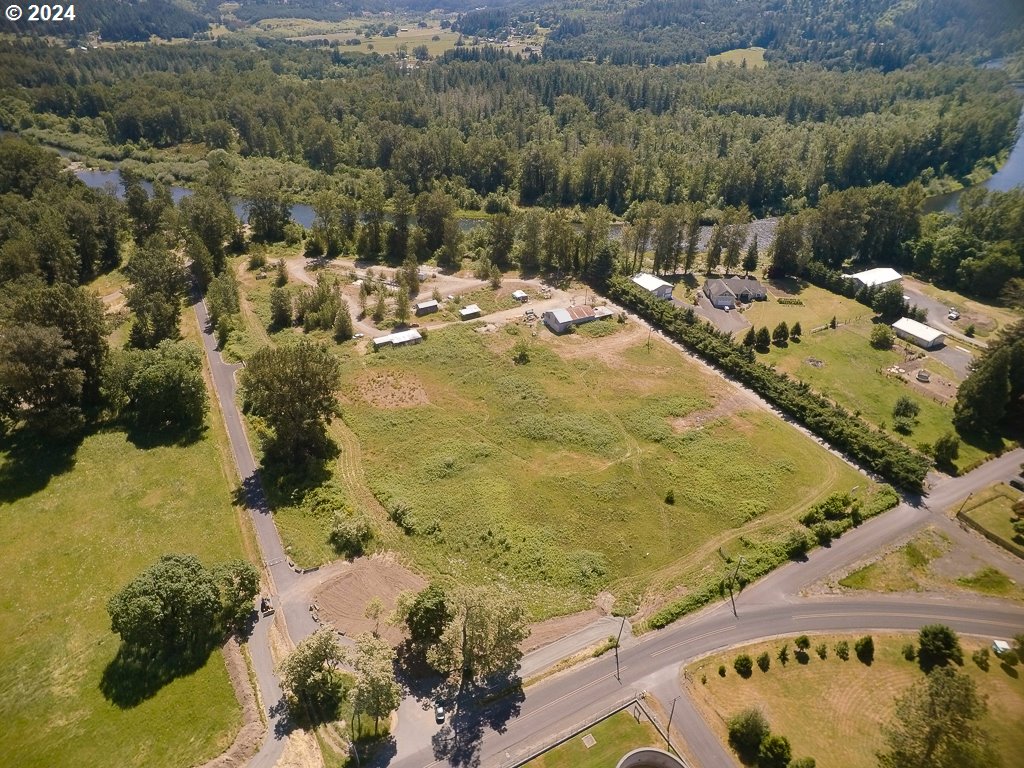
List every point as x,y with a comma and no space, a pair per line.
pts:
843,430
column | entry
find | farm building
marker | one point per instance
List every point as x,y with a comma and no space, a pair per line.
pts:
469,312
602,313
879,276
918,333
654,285
399,339
561,320
426,307
727,292
520,295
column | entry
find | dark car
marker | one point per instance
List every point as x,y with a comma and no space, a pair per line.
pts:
1017,483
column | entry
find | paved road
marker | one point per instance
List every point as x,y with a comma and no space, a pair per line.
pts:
937,313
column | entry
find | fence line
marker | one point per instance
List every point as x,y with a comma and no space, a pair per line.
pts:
995,538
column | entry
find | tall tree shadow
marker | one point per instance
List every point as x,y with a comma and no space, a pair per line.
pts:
33,460
479,707
168,437
135,675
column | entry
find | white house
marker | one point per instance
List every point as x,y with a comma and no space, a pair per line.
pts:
654,285
879,276
918,333
469,312
561,320
411,336
426,307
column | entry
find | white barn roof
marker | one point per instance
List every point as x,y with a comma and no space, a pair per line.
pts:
649,282
560,316
427,304
918,330
876,276
472,309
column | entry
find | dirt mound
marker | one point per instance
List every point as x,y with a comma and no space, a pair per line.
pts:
386,389
342,600
725,407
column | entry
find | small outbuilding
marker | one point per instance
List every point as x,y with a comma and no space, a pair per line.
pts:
561,320
602,313
411,336
427,307
520,295
917,333
468,313
999,647
653,285
879,276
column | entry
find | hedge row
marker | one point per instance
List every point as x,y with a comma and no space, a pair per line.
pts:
843,430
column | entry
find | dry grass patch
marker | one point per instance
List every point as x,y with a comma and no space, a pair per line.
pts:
386,389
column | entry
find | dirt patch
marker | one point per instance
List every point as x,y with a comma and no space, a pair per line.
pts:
815,362
937,387
248,740
342,600
386,389
726,406
301,751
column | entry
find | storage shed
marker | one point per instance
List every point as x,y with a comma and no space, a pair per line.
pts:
654,285
467,313
426,307
918,333
520,295
561,320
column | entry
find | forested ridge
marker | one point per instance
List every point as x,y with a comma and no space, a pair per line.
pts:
549,133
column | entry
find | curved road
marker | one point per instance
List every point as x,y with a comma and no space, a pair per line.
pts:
769,607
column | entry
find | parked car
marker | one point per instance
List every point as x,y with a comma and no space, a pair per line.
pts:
953,314
439,712
266,605
1017,483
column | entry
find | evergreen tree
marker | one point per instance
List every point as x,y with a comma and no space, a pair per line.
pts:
751,337
751,257
982,398
343,323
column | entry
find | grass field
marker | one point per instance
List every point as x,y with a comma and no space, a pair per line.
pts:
754,58
553,475
842,365
833,710
993,509
614,737
71,540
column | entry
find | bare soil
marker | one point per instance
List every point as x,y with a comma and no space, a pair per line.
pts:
937,388
248,740
386,389
341,601
728,404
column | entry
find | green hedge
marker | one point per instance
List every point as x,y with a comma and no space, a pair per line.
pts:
843,430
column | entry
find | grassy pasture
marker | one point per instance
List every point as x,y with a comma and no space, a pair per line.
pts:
75,532
615,736
833,710
850,370
754,58
553,475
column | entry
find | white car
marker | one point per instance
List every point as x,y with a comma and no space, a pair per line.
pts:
953,314
439,712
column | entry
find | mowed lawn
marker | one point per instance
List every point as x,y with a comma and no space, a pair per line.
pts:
613,737
553,475
993,509
841,364
833,710
69,542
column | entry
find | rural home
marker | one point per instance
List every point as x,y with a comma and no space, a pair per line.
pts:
469,312
561,320
727,292
399,339
879,276
426,307
918,333
520,295
654,285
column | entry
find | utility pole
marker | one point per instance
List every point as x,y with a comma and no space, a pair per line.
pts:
732,581
964,504
617,639
668,730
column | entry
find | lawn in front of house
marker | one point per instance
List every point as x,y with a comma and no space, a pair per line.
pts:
993,510
833,710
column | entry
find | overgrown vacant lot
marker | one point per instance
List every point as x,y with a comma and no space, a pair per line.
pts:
554,474
74,532
833,710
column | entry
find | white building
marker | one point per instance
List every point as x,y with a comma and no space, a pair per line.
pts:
918,333
520,295
469,312
561,320
412,336
654,285
426,307
879,276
